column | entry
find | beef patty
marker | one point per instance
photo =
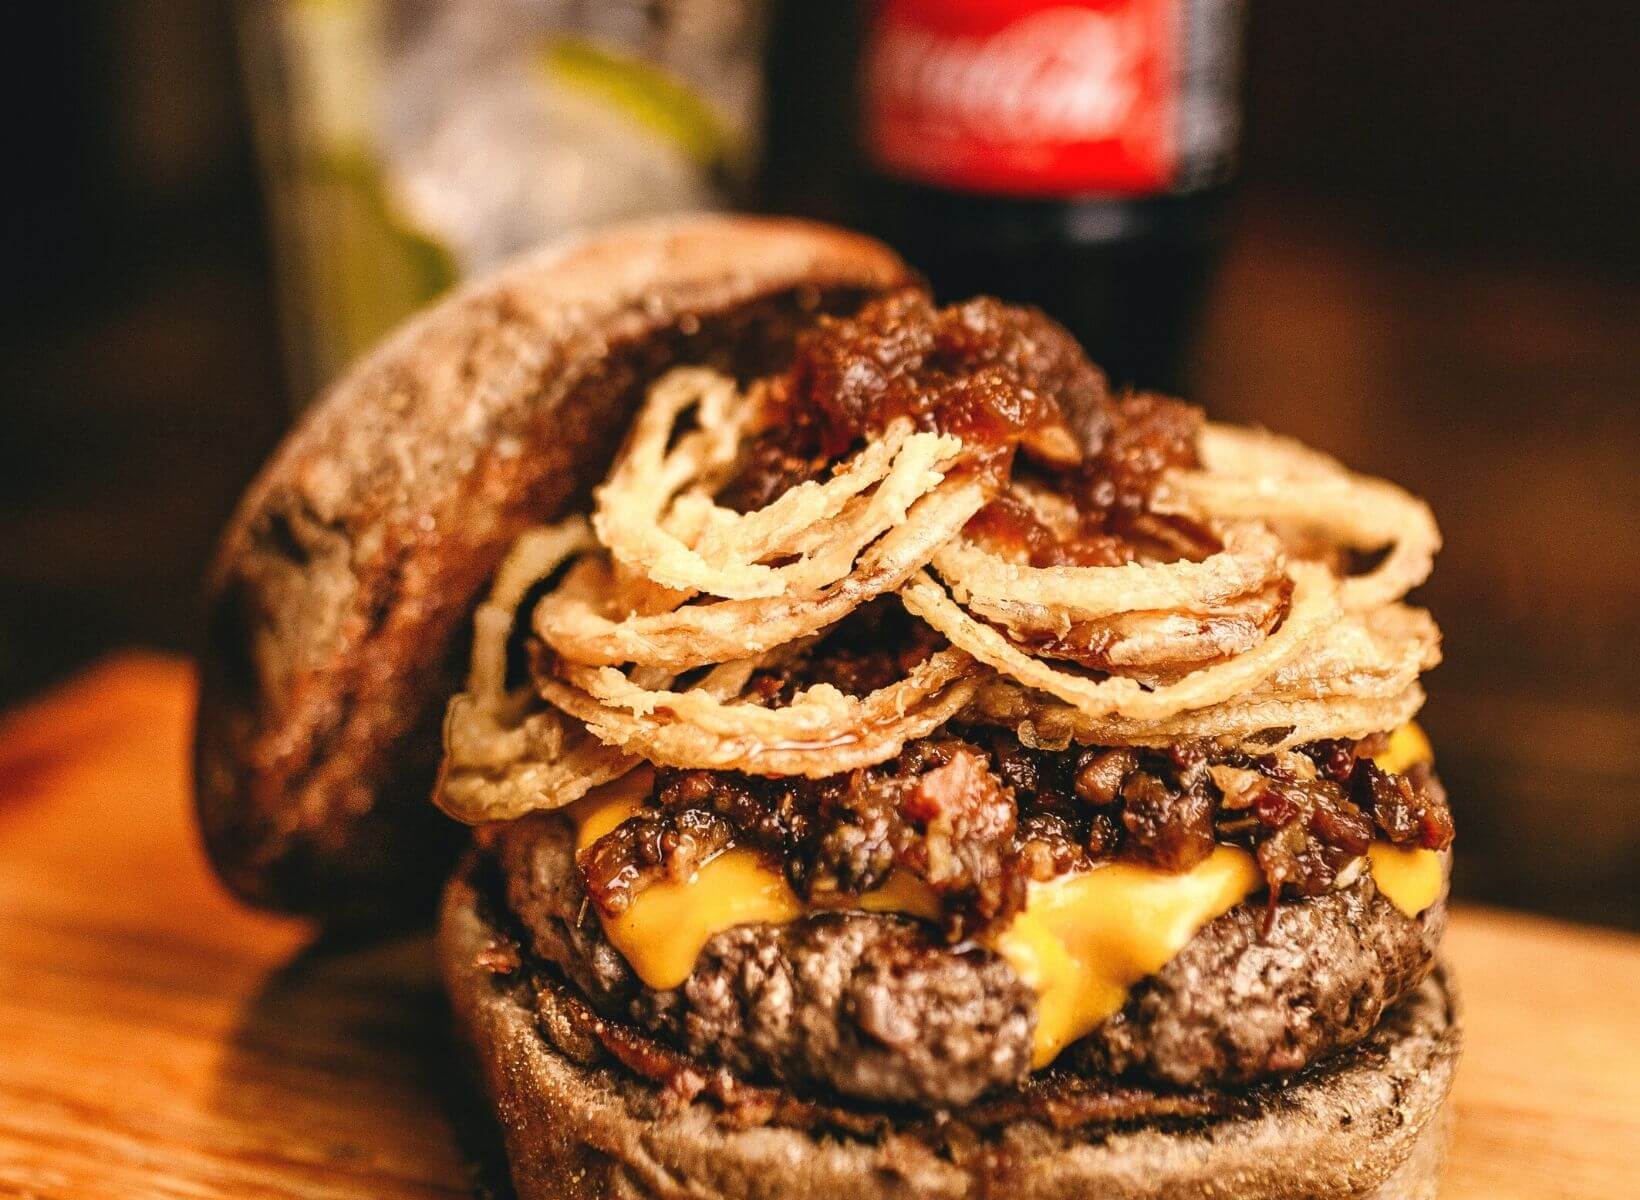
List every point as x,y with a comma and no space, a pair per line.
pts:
877,1007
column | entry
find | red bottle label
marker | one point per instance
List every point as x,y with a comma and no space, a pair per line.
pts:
1025,97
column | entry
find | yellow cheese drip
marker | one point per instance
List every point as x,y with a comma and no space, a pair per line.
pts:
663,930
603,808
1409,879
1085,939
1408,746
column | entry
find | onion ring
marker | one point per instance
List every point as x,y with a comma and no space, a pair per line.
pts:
696,635
689,543
1314,603
1161,645
549,776
814,713
1307,489
678,744
1026,597
500,759
1261,726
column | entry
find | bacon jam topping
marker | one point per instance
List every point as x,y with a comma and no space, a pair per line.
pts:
1070,466
976,816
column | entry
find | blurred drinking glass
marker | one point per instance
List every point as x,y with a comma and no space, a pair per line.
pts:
410,143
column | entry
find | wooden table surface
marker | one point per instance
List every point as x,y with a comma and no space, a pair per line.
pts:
158,1040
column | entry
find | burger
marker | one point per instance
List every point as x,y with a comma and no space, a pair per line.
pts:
897,763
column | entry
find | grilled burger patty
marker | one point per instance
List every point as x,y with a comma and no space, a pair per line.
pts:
871,1005
1238,1004
878,1007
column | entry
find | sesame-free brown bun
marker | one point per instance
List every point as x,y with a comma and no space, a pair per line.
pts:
341,595
1371,1125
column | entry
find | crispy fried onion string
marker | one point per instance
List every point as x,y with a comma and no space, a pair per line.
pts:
1259,727
570,619
688,543
1155,647
1252,475
671,608
505,756
821,733
1314,604
1027,598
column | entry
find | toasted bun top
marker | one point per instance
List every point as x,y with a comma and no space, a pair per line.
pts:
341,593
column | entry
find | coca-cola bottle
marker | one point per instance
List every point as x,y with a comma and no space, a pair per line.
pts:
1068,153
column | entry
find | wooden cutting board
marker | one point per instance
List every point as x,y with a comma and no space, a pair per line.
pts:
158,1040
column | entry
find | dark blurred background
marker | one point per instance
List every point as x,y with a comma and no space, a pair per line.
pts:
1433,270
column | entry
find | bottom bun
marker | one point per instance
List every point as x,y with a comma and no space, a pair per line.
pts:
1371,1125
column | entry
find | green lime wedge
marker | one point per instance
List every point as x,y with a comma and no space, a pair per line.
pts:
654,99
369,268
365,265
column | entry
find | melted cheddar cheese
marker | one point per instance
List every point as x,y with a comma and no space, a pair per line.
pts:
1408,746
1084,939
1409,879
663,930
1082,942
